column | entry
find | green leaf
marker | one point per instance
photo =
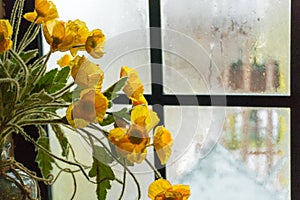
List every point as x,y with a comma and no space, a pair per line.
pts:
62,139
111,92
53,80
41,96
123,113
62,75
48,78
104,175
67,97
109,119
43,159
101,154
28,55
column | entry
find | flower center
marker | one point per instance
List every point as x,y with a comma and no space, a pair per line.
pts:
1,37
135,135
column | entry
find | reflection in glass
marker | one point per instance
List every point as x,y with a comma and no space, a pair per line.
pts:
247,41
249,160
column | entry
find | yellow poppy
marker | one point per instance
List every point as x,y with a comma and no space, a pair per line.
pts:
75,122
131,143
134,87
95,43
64,60
90,108
57,36
80,32
86,73
138,99
163,142
5,34
142,116
162,189
44,11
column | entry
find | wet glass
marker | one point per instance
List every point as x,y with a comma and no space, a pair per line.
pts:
249,158
228,46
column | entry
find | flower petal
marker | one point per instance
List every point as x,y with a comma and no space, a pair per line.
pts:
162,143
157,187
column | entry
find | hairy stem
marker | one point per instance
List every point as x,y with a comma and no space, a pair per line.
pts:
117,160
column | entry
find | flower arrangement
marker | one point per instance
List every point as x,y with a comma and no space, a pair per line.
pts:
31,95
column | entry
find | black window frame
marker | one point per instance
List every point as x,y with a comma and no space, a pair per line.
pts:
158,99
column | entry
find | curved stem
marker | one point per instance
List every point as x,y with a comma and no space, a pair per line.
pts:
19,129
117,160
124,180
157,174
41,121
43,106
64,90
16,118
43,69
10,80
18,22
24,67
38,61
25,37
4,69
30,39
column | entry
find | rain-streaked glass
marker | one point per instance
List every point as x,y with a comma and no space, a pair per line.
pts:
127,37
249,158
124,25
236,46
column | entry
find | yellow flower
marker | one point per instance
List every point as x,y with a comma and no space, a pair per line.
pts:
5,33
95,44
86,73
162,143
131,143
64,61
80,32
91,108
57,37
44,11
142,116
162,189
134,87
138,99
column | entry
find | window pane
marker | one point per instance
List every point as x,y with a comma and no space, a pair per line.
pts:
231,45
124,25
127,37
248,159
63,188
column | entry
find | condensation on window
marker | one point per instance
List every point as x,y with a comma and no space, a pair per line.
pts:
247,43
249,158
125,25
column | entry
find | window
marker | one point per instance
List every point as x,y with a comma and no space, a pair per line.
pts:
243,127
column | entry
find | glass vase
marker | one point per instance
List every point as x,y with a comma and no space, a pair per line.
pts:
15,183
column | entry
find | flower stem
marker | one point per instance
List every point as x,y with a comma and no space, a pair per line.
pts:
43,69
24,67
18,22
117,160
22,44
41,121
19,129
124,180
64,90
156,172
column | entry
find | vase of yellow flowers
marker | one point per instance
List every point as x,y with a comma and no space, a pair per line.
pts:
32,95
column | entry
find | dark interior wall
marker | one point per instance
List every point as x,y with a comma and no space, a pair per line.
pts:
24,151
